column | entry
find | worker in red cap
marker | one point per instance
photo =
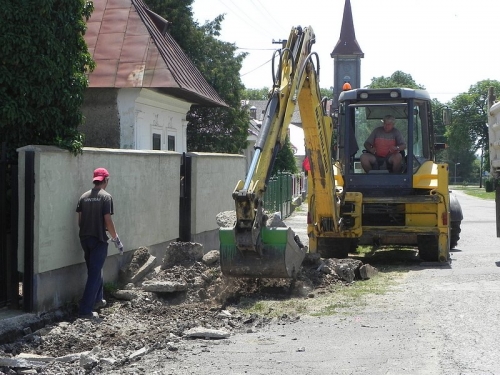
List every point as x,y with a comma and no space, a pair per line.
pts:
94,209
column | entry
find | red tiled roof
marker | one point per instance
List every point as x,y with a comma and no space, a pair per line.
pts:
132,49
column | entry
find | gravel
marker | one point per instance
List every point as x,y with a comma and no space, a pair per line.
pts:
169,310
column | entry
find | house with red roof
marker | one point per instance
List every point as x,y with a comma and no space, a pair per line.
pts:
143,84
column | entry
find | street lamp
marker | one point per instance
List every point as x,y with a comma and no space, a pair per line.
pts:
456,172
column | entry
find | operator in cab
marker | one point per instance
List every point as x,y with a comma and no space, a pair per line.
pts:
384,145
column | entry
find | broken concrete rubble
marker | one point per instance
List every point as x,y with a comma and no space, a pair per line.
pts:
125,295
367,271
179,253
207,333
141,313
164,286
138,267
227,219
211,257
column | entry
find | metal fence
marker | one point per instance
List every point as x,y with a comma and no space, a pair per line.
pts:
281,190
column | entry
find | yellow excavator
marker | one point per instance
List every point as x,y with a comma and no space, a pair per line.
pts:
348,206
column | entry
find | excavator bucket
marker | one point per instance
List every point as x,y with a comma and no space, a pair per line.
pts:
281,256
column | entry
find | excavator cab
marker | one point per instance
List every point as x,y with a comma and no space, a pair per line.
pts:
362,113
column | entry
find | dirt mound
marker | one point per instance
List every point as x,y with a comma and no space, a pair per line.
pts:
157,310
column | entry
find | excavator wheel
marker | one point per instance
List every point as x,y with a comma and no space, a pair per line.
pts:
454,234
336,247
428,248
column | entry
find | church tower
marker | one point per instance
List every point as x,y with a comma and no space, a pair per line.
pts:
346,56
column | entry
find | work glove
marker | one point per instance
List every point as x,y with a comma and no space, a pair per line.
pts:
118,244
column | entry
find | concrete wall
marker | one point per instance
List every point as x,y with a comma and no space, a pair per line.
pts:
145,187
213,181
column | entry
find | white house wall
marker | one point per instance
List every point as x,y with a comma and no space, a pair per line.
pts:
150,112
127,113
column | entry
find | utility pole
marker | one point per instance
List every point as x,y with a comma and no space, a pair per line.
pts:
456,172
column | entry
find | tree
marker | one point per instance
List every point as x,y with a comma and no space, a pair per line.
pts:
263,93
209,129
43,61
256,94
397,79
326,93
285,160
468,133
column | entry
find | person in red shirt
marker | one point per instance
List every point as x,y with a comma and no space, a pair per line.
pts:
306,166
384,145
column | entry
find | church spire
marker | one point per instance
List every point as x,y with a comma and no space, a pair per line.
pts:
347,44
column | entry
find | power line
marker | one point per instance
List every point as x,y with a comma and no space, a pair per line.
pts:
253,70
273,20
242,15
256,49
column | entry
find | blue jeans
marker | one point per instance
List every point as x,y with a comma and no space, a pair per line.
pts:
95,252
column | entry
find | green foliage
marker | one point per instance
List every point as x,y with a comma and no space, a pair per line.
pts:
263,93
43,62
477,192
397,79
285,160
209,129
256,94
217,130
468,133
110,288
488,185
326,93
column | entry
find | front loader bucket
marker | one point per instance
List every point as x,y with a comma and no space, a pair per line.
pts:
281,256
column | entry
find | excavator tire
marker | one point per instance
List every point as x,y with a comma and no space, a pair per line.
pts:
455,234
428,248
336,247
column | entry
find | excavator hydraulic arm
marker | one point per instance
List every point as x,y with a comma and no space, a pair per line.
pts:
251,249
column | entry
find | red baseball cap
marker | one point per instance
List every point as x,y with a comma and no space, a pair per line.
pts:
100,174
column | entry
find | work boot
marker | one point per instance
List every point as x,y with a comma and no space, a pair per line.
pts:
92,315
100,304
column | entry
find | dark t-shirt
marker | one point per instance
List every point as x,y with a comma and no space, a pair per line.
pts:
93,205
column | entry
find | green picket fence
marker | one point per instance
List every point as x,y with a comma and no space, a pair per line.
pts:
281,190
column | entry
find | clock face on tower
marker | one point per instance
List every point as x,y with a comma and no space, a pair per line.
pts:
347,72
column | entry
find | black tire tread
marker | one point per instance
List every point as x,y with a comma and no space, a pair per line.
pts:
336,247
455,233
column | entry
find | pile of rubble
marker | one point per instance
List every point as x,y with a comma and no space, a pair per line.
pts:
163,305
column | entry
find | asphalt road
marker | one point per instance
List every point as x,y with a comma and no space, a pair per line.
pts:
437,320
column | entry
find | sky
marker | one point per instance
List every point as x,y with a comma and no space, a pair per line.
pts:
445,45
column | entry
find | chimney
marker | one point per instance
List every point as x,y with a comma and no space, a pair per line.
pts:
253,112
